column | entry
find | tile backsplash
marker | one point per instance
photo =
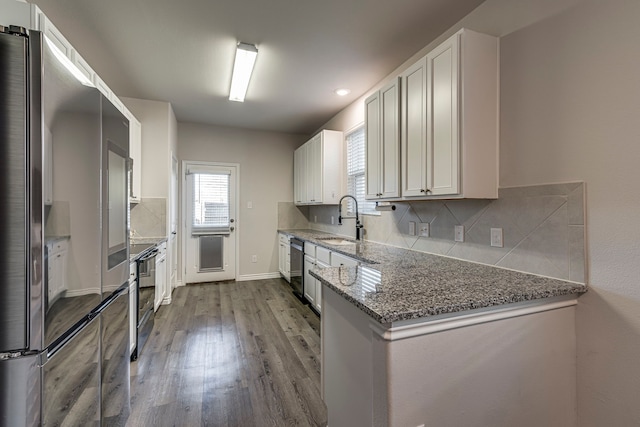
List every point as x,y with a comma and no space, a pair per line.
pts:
543,228
149,218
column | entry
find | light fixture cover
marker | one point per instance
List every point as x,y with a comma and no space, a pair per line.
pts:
242,68
342,92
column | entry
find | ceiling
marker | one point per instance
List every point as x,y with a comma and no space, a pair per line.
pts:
182,51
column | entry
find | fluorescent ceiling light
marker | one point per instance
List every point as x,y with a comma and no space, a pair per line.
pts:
342,92
68,64
242,69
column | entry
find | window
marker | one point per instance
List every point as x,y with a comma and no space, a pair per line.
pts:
210,202
355,172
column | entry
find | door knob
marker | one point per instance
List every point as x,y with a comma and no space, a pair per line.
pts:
232,228
232,220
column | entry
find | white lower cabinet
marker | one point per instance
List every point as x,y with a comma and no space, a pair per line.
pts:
317,256
310,282
56,269
339,260
284,264
161,275
133,308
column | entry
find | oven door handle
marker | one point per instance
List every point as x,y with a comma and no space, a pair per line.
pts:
150,255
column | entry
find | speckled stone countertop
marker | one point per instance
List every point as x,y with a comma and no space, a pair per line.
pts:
392,284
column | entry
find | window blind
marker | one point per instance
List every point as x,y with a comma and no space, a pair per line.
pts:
210,203
356,185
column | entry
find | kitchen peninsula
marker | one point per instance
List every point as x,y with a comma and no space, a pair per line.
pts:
410,339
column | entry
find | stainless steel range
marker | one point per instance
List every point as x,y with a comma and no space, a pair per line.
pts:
146,293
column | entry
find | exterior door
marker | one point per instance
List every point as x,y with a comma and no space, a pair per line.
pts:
210,221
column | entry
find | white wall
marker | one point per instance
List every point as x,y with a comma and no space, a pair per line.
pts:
570,110
266,178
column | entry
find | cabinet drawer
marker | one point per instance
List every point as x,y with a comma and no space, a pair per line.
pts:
310,249
284,238
338,260
323,255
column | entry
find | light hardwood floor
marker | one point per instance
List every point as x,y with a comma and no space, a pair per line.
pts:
230,354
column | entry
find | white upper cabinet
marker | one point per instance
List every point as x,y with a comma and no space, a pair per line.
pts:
299,183
449,120
318,169
414,130
135,154
382,128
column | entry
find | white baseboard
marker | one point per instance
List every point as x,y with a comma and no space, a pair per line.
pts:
247,277
86,291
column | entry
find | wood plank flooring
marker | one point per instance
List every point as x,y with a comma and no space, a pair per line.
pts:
230,354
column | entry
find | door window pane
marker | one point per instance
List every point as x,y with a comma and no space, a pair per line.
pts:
210,203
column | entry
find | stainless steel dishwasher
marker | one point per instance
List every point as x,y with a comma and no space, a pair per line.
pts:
296,259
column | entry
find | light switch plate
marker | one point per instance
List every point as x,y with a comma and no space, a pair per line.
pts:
458,234
425,229
497,238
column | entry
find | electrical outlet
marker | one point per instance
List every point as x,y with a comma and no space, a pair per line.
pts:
497,238
333,220
458,234
425,229
412,228
254,258
249,205
315,218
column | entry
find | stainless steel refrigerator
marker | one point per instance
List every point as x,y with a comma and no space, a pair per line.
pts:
64,328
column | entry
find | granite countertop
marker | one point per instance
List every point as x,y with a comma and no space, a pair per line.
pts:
392,284
149,240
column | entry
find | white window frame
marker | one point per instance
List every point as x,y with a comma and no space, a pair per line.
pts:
356,168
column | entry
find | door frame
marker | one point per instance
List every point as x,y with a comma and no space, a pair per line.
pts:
183,211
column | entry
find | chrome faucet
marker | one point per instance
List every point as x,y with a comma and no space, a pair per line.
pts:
357,217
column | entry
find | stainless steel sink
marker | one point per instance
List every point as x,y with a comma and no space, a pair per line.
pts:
338,242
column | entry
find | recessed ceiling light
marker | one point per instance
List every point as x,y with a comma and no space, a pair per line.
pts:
242,68
342,92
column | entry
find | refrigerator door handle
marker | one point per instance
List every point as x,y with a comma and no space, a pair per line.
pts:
124,288
65,338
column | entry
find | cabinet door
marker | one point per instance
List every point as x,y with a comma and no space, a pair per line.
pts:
309,280
314,162
442,118
281,258
133,309
339,260
318,302
299,184
372,146
161,279
414,119
390,140
135,152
